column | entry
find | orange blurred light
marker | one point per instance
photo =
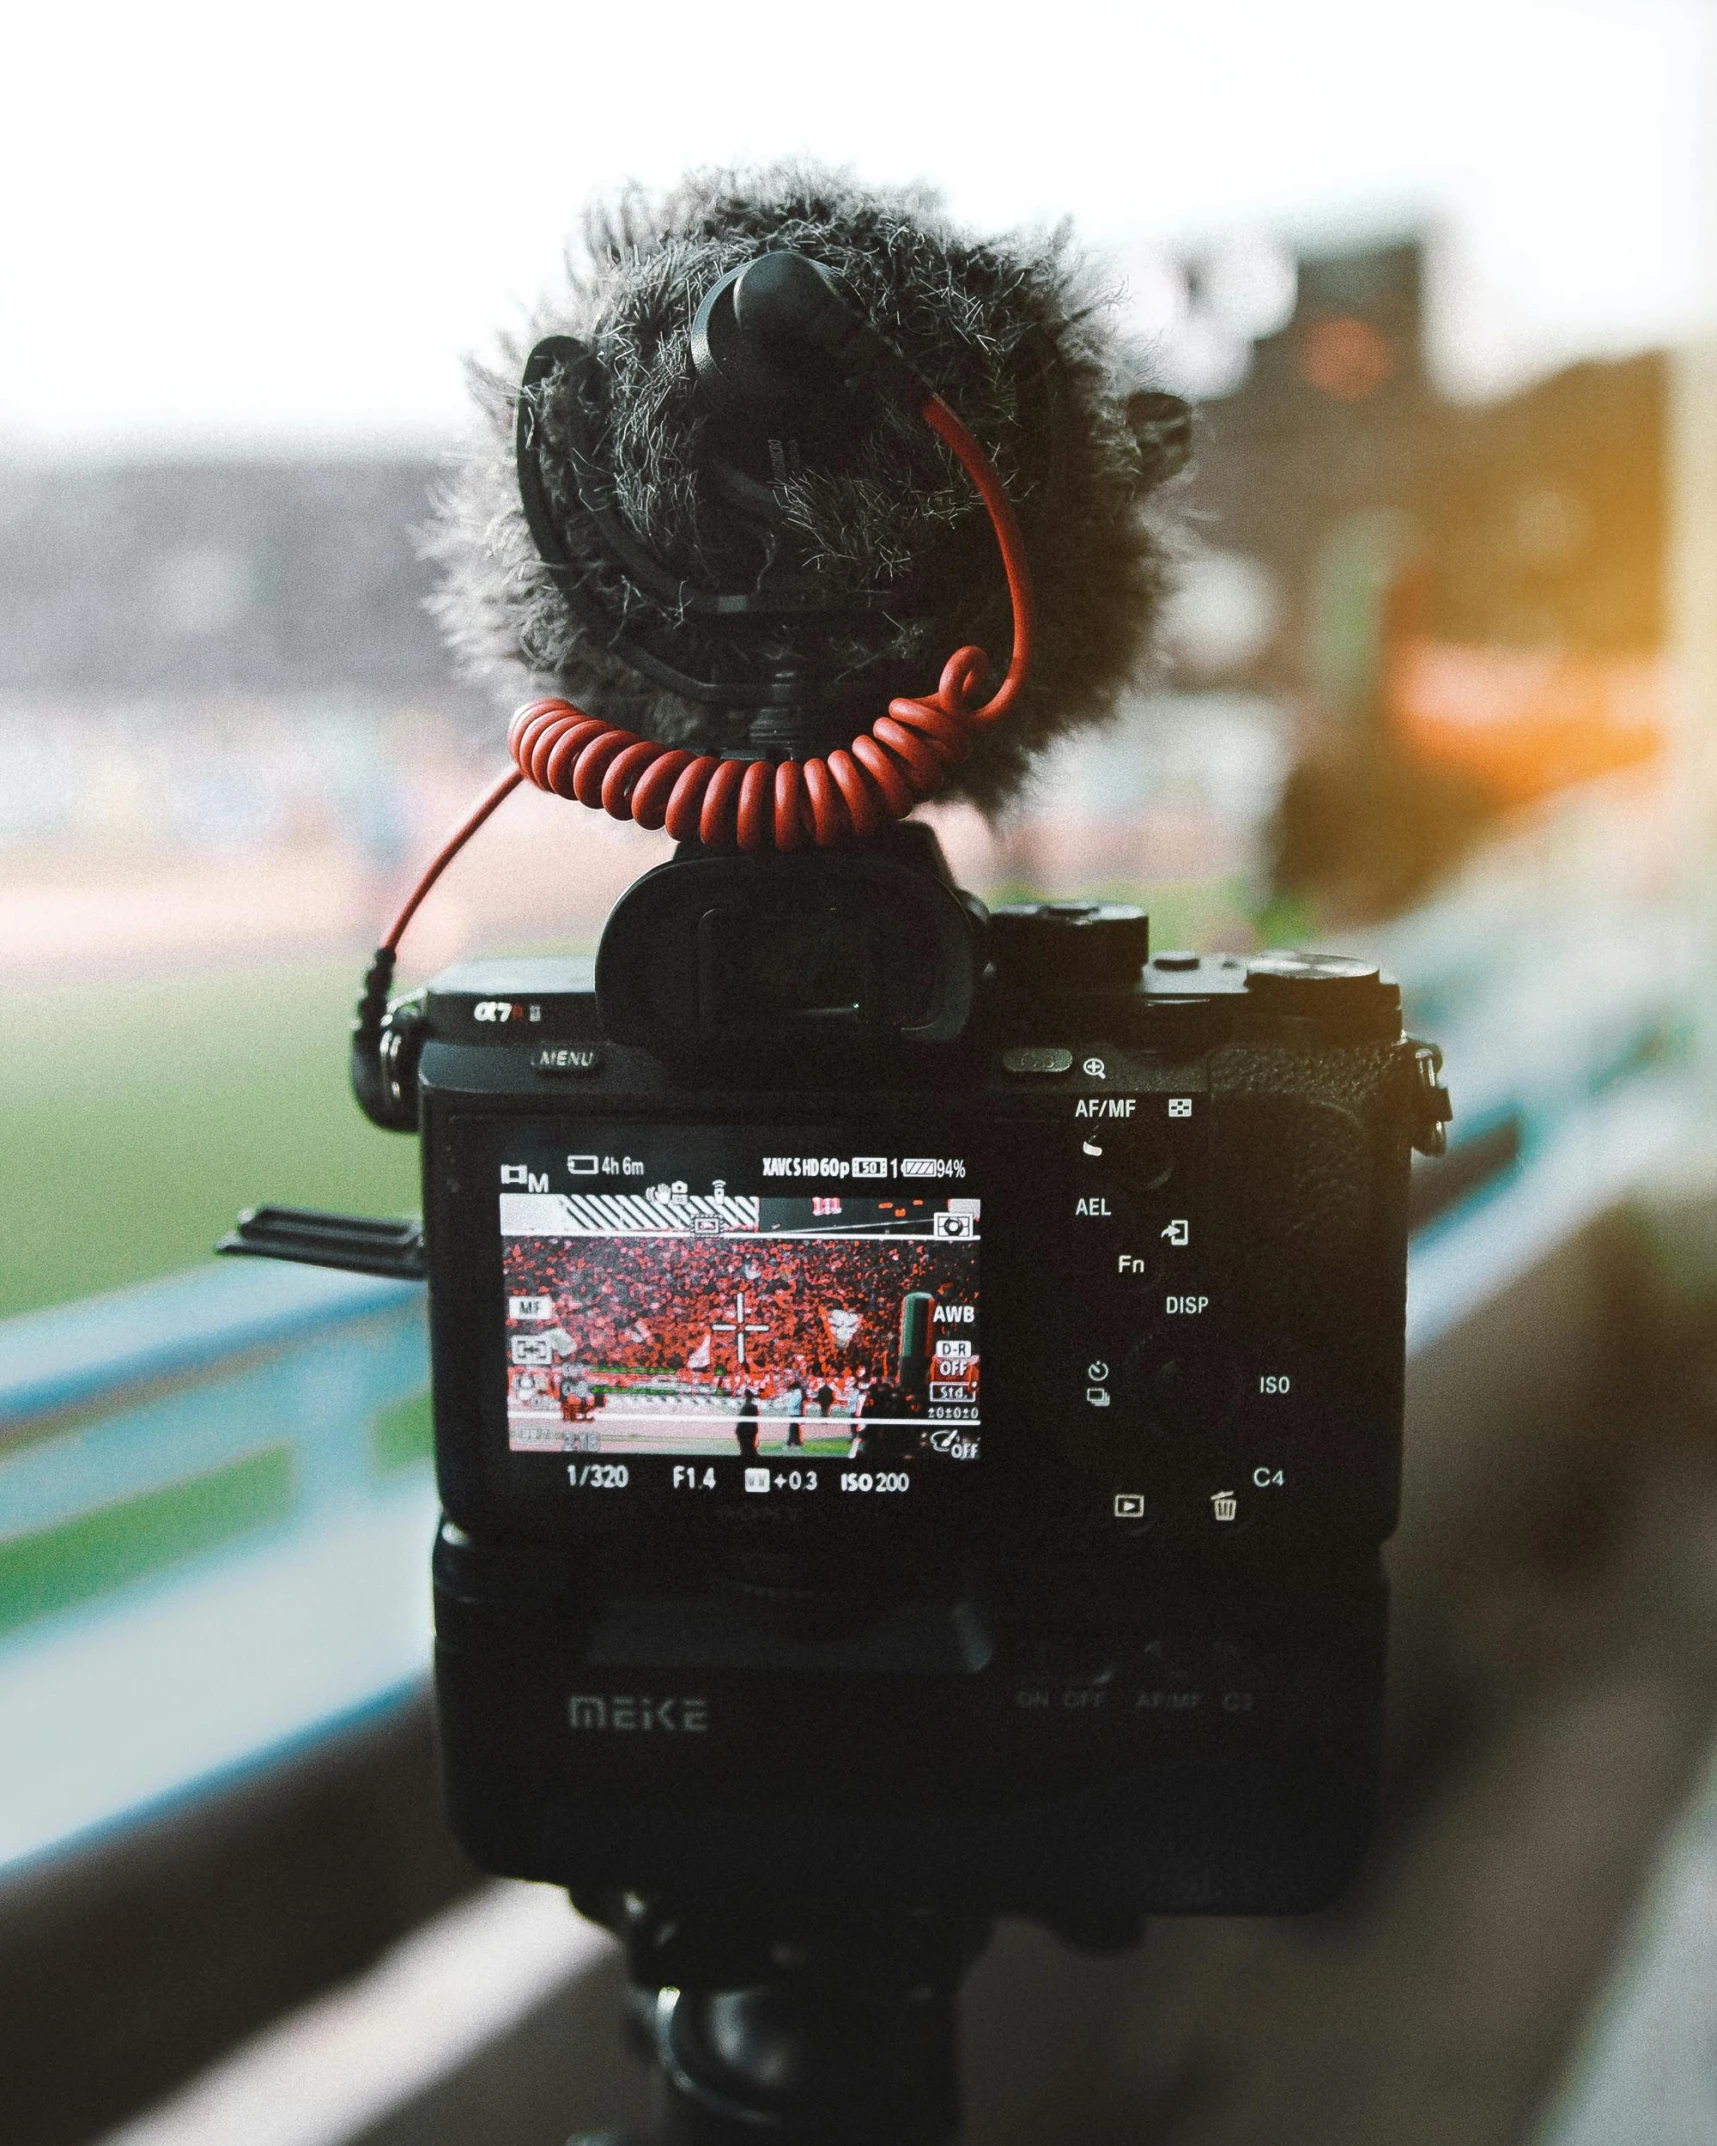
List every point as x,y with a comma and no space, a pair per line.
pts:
1345,358
1525,722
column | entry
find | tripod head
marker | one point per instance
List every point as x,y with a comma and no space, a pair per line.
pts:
797,2026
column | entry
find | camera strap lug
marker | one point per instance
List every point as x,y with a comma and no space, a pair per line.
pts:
1432,1108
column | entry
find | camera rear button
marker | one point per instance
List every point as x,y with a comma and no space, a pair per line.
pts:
1032,1058
566,1060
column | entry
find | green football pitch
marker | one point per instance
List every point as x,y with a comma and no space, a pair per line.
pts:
139,1117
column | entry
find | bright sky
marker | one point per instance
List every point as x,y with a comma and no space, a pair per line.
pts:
264,226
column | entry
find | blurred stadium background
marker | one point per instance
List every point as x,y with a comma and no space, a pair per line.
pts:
1439,680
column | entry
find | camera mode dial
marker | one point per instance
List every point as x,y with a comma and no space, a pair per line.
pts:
1058,947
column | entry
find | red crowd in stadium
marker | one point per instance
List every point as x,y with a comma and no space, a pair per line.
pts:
654,1304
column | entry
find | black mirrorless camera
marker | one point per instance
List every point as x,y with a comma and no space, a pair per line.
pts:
917,1390
917,1397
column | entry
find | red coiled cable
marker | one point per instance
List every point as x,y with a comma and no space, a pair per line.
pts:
759,804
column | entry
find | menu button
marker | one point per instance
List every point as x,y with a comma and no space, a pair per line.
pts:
566,1059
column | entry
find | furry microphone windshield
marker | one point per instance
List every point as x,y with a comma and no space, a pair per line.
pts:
879,523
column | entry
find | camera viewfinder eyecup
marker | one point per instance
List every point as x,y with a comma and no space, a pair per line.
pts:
869,946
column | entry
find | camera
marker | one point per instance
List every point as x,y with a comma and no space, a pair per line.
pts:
917,1388
917,1396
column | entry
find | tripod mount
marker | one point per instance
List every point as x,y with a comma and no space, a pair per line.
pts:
795,2024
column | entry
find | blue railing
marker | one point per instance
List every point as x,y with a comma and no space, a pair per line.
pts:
76,1355
216,1504
215,1520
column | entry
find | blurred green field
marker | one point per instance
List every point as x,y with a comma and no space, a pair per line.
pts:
136,1119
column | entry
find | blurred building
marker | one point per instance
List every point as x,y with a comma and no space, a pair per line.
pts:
1465,605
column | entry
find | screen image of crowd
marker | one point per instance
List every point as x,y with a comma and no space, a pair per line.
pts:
693,1345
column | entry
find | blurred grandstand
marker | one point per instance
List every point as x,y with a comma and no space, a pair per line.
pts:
228,724
1404,621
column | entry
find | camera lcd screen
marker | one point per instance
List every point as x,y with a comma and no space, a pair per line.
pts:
747,1300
